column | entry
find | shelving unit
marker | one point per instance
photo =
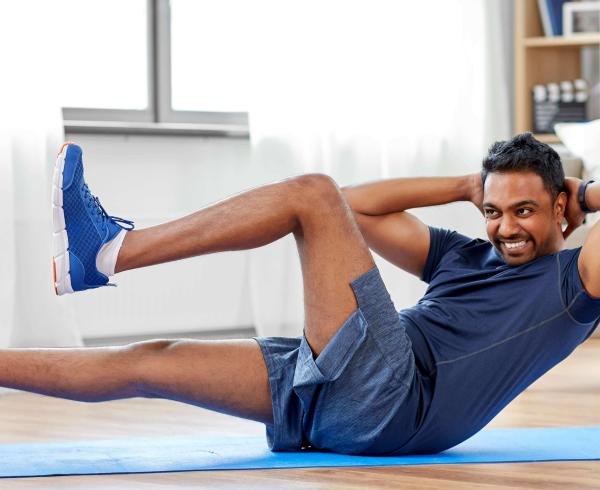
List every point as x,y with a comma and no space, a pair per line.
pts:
578,40
540,59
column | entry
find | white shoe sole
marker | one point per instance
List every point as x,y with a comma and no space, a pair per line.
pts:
60,240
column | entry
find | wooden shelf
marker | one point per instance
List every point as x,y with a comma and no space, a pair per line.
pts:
540,60
547,138
576,40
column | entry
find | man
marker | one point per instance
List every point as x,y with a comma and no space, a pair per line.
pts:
364,378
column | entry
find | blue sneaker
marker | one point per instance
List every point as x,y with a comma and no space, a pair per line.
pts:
81,226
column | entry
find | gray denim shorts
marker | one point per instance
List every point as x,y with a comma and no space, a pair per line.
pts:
354,398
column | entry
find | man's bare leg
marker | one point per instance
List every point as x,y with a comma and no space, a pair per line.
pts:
331,247
226,376
332,254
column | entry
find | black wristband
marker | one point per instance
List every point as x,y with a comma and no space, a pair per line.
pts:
581,196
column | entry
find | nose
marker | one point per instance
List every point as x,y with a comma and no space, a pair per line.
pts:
509,226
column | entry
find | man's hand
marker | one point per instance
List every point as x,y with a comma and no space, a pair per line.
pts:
573,213
476,191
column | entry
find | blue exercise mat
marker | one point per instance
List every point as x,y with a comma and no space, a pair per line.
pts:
149,455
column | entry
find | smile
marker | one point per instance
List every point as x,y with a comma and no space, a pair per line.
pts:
515,245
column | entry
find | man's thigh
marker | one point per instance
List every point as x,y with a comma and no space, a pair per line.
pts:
227,376
333,253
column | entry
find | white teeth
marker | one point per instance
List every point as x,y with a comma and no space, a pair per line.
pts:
515,245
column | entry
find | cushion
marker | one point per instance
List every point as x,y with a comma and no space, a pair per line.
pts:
583,139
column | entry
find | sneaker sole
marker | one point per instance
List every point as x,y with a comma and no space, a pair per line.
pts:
60,239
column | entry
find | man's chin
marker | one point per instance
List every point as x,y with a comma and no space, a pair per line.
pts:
517,258
520,259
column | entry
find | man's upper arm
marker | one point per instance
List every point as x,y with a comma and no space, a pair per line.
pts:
401,238
589,262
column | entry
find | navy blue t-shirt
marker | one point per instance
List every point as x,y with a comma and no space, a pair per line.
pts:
484,331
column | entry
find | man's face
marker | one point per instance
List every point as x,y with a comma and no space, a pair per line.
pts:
522,221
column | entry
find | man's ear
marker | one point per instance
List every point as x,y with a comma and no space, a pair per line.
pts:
560,206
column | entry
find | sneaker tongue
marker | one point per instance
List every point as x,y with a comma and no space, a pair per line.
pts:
113,226
111,232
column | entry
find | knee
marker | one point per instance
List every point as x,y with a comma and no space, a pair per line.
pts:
148,347
319,182
311,188
142,360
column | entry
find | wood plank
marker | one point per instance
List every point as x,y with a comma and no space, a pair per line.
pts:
553,65
547,138
531,14
579,40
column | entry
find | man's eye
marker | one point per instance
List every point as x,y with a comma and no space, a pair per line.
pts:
525,211
490,212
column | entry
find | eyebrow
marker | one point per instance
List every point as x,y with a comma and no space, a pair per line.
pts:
527,202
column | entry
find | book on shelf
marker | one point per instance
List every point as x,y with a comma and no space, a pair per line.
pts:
545,17
551,13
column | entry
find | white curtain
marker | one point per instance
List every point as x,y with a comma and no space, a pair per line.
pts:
365,90
30,135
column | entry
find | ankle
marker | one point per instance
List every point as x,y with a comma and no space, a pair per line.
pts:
121,263
107,258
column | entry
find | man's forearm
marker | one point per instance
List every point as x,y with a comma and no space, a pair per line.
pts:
393,195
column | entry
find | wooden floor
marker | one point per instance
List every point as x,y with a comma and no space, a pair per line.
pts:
567,396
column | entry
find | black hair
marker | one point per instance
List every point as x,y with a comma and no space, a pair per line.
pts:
524,153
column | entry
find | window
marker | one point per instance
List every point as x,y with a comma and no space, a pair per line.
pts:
207,40
105,63
152,61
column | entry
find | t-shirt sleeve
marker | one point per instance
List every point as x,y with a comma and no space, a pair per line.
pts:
442,241
582,307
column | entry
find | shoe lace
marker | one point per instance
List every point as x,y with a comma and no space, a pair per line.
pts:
93,203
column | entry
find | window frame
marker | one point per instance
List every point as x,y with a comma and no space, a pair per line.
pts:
159,116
